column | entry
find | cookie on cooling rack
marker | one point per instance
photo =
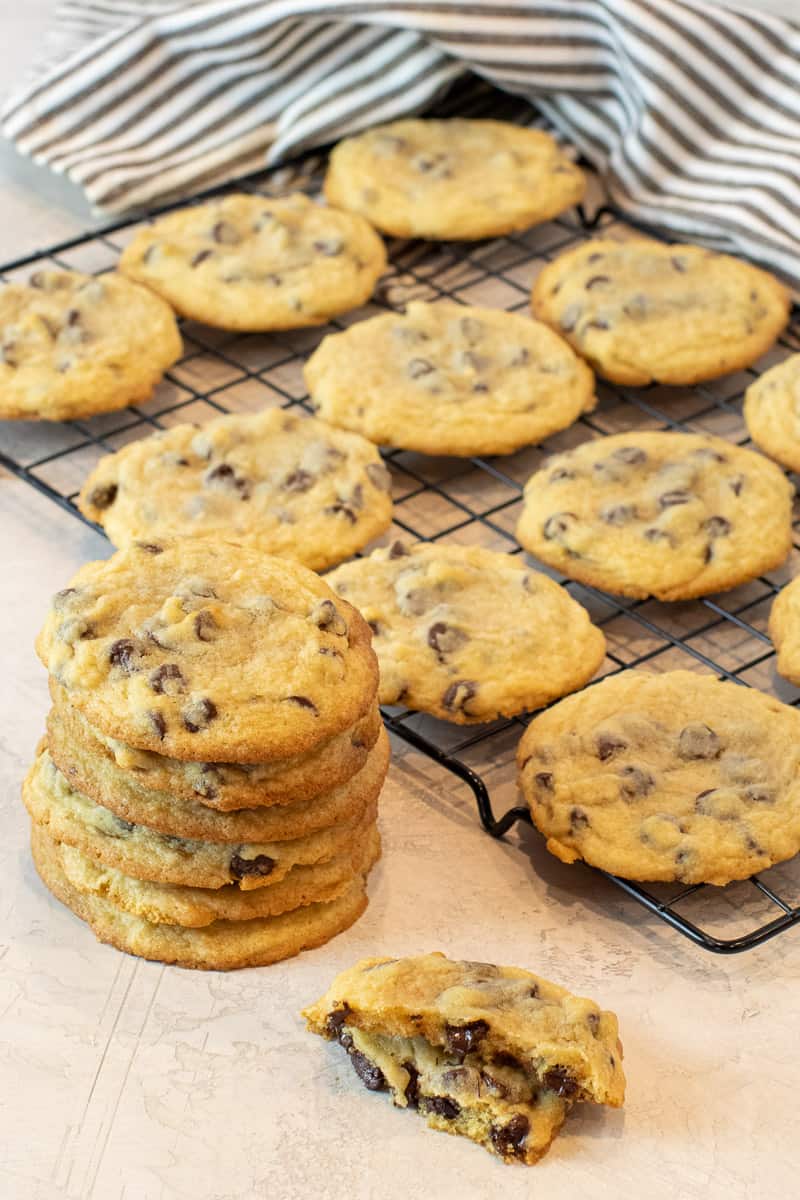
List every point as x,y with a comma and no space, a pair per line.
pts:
468,634
445,379
496,1054
72,345
643,312
453,179
670,515
784,629
282,482
666,777
772,412
257,263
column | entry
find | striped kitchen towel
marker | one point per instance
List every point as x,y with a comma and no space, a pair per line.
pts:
691,112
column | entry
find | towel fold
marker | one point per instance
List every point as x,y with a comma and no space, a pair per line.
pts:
690,112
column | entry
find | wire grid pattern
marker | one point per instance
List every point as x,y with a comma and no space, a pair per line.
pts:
473,501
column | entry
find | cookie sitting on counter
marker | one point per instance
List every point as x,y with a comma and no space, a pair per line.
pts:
495,1054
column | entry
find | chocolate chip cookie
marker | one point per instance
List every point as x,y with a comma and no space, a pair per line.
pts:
282,482
128,797
220,946
448,179
666,777
72,345
71,817
784,629
195,907
257,262
209,651
772,412
671,515
496,1054
468,634
643,312
445,379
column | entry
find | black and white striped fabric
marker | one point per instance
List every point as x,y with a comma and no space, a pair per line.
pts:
690,111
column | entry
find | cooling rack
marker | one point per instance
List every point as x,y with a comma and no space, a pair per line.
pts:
467,500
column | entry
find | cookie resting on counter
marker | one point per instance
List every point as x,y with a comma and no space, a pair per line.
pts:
642,312
670,515
281,481
445,379
496,1054
248,262
468,634
666,777
73,345
450,179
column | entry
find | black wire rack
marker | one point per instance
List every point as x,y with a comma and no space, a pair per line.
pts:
466,500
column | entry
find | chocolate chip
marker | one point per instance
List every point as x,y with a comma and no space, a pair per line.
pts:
63,599
226,234
635,783
103,496
459,694
443,1106
670,499
158,723
717,527
370,1075
521,358
709,454
760,795
578,820
597,323
559,474
560,1081
618,514
557,525
224,475
653,534
444,639
125,654
412,1087
461,1039
596,281
570,317
398,550
198,714
593,1021
418,367
168,678
636,307
503,1059
325,615
375,627
632,456
544,780
262,865
679,264
608,744
200,257
495,1087
337,1018
736,484
204,625
698,741
149,547
304,702
298,481
329,247
379,476
340,509
471,329
509,1139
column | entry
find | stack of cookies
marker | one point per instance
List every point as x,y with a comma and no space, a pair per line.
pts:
206,794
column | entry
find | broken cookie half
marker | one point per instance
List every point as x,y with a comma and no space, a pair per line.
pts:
493,1053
